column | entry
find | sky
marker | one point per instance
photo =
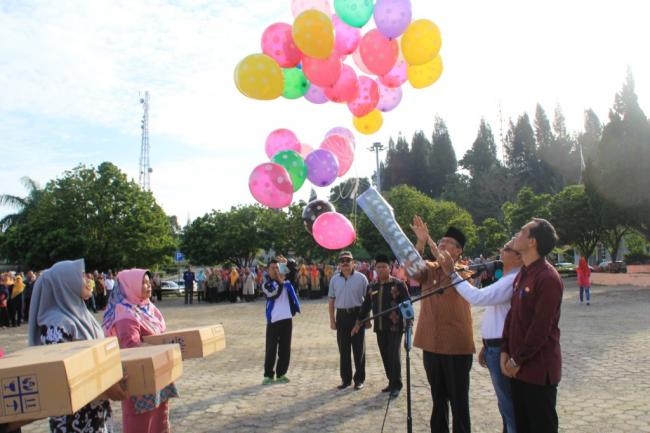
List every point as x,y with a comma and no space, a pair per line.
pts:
72,74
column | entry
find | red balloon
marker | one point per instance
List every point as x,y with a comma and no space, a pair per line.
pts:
366,99
378,53
346,87
322,72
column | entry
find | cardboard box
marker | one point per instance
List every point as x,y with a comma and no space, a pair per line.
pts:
196,342
57,379
151,368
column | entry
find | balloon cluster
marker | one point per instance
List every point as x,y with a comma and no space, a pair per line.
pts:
291,163
308,59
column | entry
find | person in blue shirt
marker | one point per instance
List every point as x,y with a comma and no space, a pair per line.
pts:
281,305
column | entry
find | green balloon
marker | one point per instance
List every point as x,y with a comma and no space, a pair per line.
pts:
295,83
355,13
293,162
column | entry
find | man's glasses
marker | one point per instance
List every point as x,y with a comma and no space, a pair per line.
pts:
508,249
345,260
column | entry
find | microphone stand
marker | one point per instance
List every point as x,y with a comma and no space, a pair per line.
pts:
406,308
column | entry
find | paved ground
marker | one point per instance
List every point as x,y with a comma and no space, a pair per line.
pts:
605,386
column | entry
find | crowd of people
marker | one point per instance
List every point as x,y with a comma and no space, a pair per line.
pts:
520,332
520,328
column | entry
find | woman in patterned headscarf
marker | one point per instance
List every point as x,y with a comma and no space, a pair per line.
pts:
130,315
58,314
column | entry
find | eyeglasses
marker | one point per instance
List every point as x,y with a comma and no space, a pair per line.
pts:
345,260
508,249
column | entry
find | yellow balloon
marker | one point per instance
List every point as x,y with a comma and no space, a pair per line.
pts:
313,34
259,76
370,123
421,42
421,76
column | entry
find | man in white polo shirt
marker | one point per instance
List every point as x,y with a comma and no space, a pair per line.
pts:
346,293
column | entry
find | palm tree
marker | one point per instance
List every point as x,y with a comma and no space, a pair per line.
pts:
22,204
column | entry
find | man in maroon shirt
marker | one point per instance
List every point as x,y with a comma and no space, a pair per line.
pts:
530,348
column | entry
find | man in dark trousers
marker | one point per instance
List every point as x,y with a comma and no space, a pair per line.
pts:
281,305
384,293
346,292
188,280
444,332
530,346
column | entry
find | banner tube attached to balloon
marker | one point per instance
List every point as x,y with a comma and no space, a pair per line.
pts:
381,215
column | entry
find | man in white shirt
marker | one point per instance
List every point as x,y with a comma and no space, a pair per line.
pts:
496,300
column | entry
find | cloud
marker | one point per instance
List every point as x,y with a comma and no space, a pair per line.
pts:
72,72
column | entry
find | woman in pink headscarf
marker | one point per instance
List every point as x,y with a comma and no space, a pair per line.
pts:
129,316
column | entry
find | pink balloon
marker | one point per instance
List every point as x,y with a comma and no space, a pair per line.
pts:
277,43
392,16
346,87
333,231
281,139
316,95
270,184
366,99
342,149
356,57
323,73
389,97
396,76
299,6
305,150
346,38
378,53
340,130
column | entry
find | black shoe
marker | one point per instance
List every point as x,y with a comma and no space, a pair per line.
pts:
386,389
358,386
343,385
394,393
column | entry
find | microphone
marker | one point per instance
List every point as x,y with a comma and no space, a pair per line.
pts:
490,267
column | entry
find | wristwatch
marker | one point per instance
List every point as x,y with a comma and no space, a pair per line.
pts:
512,363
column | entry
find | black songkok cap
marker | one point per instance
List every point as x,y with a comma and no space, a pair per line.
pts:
454,233
382,258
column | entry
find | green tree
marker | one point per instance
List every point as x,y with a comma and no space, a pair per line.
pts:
492,235
489,185
575,219
21,204
620,173
527,206
343,196
420,163
406,201
97,214
443,163
396,171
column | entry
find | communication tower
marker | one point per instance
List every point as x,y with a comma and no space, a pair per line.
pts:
145,169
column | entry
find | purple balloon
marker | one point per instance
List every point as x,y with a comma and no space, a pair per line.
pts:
315,94
389,97
392,17
322,167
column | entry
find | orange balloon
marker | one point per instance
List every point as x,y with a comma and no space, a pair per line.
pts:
421,76
370,123
259,76
313,34
421,42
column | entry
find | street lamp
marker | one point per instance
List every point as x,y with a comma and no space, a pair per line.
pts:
377,147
